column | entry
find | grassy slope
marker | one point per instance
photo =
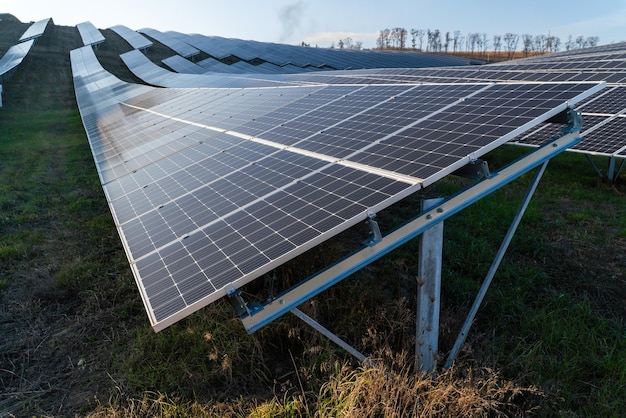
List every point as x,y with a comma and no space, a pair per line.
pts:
74,338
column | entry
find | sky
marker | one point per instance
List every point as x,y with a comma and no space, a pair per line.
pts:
323,22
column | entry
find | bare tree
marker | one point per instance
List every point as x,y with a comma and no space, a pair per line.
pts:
527,41
414,38
472,42
539,43
593,41
497,43
511,40
484,43
401,36
383,39
436,40
446,44
420,37
553,43
457,40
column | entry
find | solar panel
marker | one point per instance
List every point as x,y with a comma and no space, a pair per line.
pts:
14,56
90,34
134,39
152,74
183,65
35,30
172,41
211,188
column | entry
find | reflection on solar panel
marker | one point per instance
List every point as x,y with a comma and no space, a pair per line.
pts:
135,40
14,57
89,34
211,188
35,30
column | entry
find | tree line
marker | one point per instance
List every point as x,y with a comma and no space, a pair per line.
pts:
434,40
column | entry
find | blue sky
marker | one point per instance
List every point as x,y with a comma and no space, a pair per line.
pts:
323,22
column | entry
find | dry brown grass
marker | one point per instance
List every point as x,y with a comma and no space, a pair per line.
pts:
395,390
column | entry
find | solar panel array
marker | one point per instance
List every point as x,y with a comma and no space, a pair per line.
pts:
134,39
316,58
89,34
14,57
212,187
35,30
172,41
603,114
152,74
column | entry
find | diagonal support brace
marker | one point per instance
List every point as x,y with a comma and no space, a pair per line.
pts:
494,266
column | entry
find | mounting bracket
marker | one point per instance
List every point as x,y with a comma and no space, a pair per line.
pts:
475,170
240,305
374,236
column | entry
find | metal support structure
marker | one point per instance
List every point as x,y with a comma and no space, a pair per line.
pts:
326,278
494,266
613,169
429,294
618,170
334,338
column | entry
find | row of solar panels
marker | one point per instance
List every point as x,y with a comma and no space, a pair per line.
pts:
218,179
281,55
603,128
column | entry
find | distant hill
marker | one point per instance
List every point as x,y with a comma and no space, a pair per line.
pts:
10,17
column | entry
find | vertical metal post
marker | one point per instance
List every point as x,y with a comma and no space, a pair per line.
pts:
610,174
428,294
494,266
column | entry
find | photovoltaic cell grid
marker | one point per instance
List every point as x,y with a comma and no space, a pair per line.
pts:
605,63
211,188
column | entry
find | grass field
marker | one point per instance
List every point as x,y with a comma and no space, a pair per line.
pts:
549,340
